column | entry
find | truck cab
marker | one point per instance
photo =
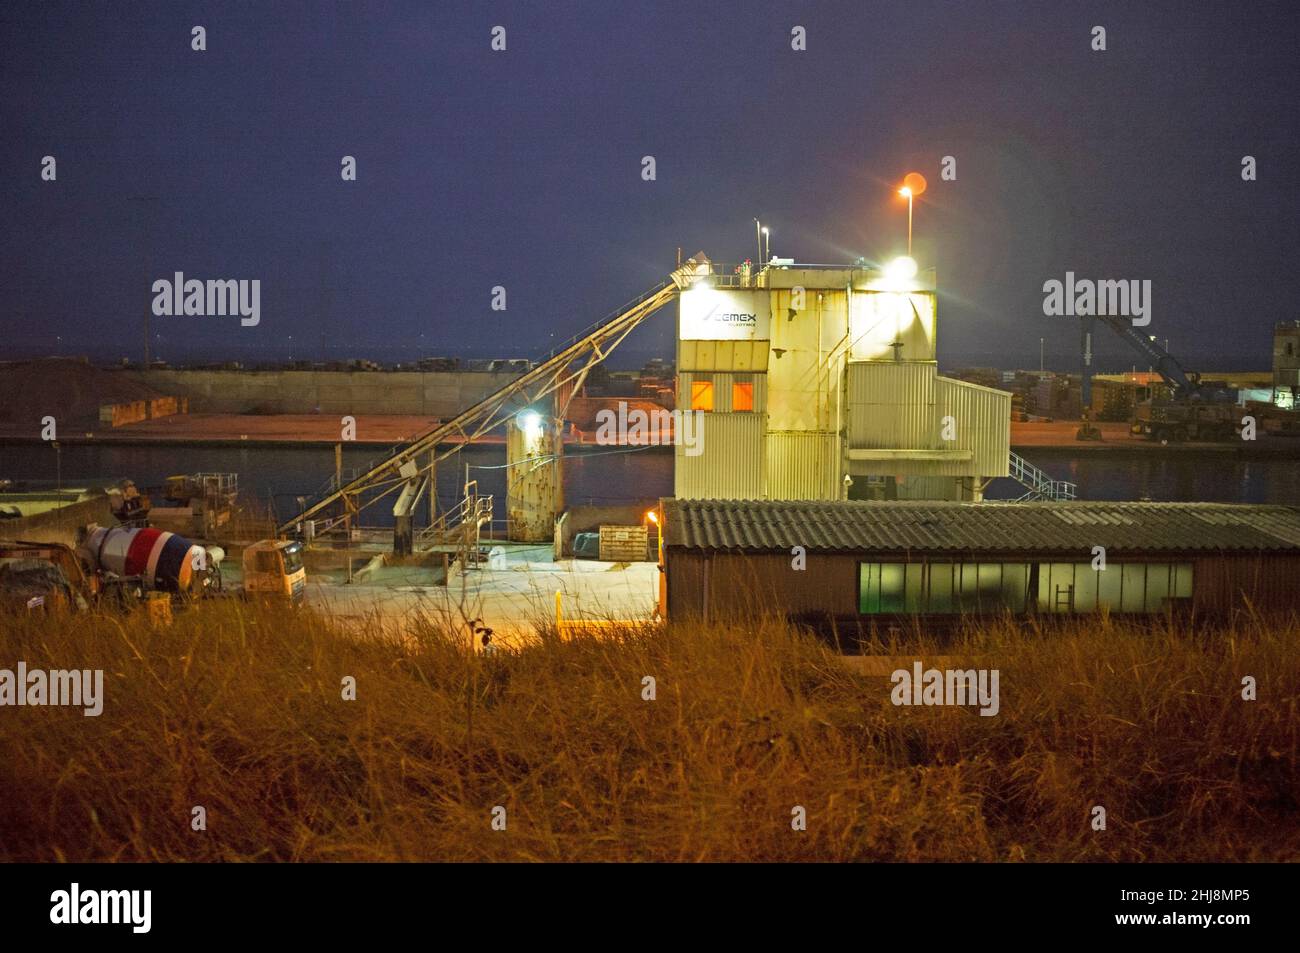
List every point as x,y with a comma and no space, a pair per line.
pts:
273,569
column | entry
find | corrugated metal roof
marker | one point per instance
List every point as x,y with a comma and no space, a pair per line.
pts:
973,527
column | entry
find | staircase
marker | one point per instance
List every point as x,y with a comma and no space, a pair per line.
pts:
461,525
1040,485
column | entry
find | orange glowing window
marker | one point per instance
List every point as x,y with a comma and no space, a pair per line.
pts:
742,395
701,395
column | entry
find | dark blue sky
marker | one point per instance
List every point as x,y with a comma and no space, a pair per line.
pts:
522,168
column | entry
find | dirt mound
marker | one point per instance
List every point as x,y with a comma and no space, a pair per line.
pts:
69,390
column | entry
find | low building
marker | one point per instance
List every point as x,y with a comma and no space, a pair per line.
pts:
858,561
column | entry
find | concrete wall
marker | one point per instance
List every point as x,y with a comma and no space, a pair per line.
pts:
433,394
60,525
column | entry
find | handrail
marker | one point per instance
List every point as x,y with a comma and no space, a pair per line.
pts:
1040,484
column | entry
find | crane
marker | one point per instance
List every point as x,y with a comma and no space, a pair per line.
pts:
1185,384
568,364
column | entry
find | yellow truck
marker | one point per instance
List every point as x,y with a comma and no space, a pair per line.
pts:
273,569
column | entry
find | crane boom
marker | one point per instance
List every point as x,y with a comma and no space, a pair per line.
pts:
569,363
1183,382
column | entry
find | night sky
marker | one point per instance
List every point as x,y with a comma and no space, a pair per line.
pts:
523,168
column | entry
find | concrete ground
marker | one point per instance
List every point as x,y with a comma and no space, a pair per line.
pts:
510,600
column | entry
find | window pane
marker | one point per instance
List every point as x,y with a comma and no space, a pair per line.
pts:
742,396
990,587
1015,584
1183,580
1108,587
701,395
869,587
913,587
1158,585
1134,596
1086,584
941,588
1060,587
891,587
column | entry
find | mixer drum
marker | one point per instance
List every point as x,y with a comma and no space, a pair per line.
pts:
163,560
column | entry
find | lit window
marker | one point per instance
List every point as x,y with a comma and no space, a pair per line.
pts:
742,395
701,395
881,587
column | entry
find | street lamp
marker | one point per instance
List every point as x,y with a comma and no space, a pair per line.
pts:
913,185
767,240
653,517
907,194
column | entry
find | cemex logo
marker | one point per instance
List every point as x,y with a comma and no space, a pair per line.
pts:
729,317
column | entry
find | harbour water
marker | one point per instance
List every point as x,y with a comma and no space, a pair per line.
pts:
279,475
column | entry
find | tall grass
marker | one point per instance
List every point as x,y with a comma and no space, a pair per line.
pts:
238,709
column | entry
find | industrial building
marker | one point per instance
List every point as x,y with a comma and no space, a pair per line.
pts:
821,383
858,561
1286,365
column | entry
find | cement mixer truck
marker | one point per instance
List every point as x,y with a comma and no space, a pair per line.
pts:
161,561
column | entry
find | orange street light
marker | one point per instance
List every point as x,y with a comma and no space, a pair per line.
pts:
913,185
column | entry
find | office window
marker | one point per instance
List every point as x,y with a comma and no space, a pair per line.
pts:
881,587
1134,594
941,597
701,395
742,395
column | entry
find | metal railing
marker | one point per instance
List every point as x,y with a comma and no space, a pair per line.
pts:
1040,484
462,521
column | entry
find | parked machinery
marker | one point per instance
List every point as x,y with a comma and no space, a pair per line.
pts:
161,560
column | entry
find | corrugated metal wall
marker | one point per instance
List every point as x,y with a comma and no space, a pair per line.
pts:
731,466
805,374
983,423
803,465
740,585
891,405
1219,584
722,356
722,391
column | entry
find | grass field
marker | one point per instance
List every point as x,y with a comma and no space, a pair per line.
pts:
240,711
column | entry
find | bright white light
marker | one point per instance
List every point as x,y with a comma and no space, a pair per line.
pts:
765,230
531,424
900,270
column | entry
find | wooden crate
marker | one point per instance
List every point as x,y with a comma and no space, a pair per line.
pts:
623,544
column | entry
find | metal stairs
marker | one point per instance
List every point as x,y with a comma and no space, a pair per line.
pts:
1039,484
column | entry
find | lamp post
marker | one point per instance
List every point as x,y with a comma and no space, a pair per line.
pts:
907,194
767,241
913,185
653,517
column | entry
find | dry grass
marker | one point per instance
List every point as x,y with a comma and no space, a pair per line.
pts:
240,710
